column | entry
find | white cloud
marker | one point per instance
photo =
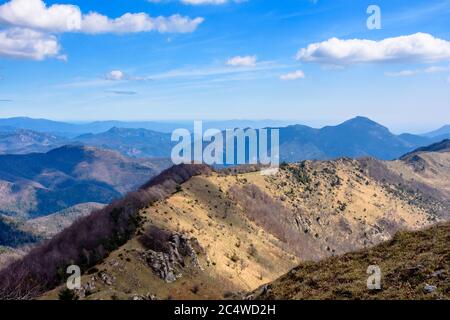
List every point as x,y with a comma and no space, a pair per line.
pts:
138,22
27,44
63,57
35,14
435,69
403,73
419,47
31,24
199,2
409,73
245,61
299,74
115,75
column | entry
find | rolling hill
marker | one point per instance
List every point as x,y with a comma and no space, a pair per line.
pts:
21,141
40,184
196,233
12,235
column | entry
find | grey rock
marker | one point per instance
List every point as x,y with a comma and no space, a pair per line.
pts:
429,288
168,265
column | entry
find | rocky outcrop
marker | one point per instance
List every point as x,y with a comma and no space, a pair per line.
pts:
179,254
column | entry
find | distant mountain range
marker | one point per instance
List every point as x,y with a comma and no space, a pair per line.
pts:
445,130
74,129
357,137
131,142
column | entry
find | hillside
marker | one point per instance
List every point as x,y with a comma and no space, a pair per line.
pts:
13,235
414,265
48,226
192,230
39,184
17,236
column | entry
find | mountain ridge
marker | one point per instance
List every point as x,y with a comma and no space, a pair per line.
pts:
357,137
220,224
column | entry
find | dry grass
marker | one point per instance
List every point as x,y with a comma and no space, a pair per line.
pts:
409,262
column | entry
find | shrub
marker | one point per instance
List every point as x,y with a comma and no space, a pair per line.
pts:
156,239
66,294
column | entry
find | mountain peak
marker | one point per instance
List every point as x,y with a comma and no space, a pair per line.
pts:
361,120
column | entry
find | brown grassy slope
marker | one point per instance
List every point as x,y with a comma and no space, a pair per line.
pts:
234,253
410,262
252,228
344,207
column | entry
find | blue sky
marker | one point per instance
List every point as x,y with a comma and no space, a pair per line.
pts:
231,60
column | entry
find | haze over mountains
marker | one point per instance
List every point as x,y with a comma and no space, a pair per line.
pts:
75,129
354,138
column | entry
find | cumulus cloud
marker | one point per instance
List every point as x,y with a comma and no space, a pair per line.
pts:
28,44
242,61
299,74
419,47
31,26
138,22
115,75
35,14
